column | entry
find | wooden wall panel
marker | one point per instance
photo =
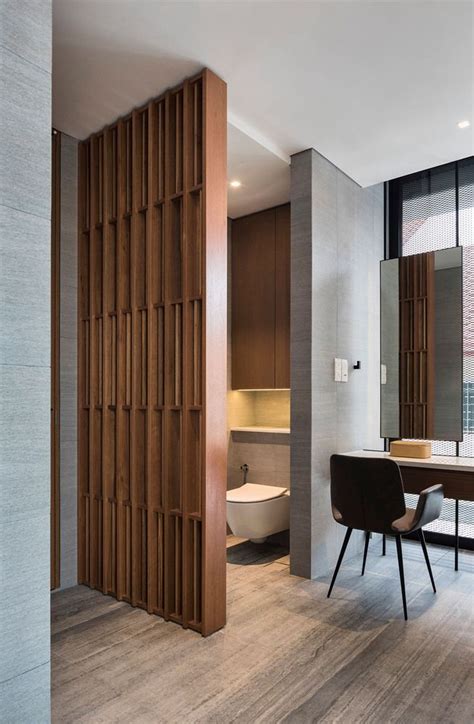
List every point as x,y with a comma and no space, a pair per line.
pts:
152,356
253,301
282,296
261,300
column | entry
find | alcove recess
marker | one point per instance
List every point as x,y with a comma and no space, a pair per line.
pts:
152,356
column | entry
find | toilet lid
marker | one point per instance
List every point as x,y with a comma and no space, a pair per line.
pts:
251,493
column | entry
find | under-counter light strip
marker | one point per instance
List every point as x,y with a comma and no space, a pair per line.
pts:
264,389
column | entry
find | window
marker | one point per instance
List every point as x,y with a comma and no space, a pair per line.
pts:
433,210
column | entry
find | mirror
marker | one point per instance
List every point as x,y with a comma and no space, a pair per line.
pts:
422,346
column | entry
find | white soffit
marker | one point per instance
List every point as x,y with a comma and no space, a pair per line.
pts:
264,177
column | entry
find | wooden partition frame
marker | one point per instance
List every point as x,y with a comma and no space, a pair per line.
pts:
152,356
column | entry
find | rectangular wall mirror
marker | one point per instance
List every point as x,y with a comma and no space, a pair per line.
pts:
422,346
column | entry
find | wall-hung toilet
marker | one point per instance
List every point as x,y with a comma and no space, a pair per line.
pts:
257,511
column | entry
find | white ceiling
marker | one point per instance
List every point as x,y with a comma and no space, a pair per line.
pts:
376,87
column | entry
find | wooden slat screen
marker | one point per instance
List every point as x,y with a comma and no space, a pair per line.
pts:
152,348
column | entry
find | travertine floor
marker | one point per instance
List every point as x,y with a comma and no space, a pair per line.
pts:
287,653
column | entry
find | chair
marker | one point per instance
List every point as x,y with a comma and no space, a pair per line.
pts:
367,494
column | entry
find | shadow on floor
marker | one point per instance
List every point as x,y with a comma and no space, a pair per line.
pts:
247,553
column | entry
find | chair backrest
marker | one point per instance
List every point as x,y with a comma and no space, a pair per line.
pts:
366,493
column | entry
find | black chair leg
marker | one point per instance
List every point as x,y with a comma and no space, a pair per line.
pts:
384,543
402,575
339,560
366,547
425,553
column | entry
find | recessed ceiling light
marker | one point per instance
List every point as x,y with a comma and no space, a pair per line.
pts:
464,124
235,184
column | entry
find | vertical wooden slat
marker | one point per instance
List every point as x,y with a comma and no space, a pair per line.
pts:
107,464
134,497
152,578
82,363
92,542
121,427
186,588
167,186
214,333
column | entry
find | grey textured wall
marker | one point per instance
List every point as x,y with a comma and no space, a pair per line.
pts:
336,245
68,361
25,277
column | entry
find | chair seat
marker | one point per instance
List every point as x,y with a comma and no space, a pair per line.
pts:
406,523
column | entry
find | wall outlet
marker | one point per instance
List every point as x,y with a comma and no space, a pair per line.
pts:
383,374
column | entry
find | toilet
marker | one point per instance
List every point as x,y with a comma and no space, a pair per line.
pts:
257,511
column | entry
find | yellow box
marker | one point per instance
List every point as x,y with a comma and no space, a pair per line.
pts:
410,449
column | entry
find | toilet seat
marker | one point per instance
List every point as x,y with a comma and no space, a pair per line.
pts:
253,493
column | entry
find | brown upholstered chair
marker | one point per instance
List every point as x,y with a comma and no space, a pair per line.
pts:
367,494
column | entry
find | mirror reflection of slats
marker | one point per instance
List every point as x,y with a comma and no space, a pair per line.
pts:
416,297
422,346
151,465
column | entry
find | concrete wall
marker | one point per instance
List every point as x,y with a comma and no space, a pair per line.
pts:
337,238
25,338
68,362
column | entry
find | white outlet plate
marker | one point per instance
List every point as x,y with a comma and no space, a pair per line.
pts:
344,370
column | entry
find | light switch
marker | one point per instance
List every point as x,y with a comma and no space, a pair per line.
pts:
383,374
344,370
337,370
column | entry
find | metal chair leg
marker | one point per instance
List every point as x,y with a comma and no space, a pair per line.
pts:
425,553
456,535
402,575
339,560
366,547
384,543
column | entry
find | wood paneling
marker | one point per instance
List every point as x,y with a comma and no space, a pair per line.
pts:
416,295
152,361
457,484
261,300
55,377
282,296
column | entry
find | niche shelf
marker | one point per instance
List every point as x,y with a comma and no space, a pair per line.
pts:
281,430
